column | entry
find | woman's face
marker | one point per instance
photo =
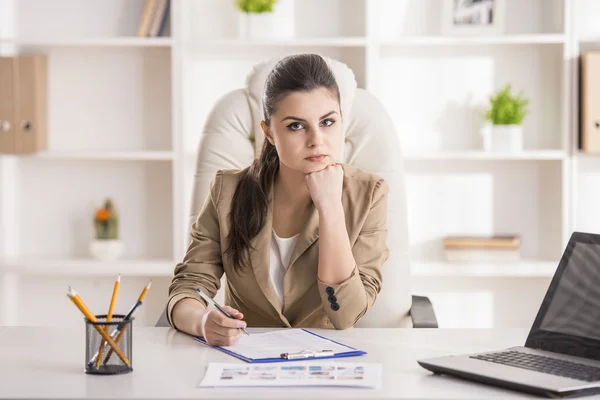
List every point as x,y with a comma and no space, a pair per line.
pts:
306,129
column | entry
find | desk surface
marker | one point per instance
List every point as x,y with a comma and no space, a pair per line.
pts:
48,363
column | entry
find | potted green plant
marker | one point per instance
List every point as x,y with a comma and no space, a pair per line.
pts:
506,113
266,19
106,244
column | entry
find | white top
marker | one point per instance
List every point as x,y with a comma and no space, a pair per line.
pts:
281,251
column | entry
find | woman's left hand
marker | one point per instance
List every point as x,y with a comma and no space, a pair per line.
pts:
325,186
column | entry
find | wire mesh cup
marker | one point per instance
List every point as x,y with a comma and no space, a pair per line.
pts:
100,357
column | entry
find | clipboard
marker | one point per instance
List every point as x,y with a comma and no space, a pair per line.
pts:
297,356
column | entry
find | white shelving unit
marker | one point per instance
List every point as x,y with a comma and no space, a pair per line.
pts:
523,269
126,113
104,155
89,268
113,131
89,42
473,155
436,87
432,40
313,42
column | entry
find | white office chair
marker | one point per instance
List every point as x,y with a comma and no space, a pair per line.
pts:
232,138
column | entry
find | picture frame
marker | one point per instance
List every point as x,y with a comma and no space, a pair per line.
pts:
473,17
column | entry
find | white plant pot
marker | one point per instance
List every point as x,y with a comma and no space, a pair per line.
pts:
504,138
278,24
106,250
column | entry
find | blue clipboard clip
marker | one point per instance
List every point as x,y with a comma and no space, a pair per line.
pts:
307,354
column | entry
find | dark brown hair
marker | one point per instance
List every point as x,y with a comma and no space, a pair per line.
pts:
300,72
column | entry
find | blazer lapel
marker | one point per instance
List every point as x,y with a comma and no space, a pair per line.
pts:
308,235
261,259
300,276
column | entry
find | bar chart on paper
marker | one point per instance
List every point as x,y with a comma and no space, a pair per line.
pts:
359,375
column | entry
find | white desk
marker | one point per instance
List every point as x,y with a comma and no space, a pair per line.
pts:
49,362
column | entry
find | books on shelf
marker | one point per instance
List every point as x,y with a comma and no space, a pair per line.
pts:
153,19
589,123
482,248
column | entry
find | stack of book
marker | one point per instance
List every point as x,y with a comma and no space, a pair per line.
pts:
482,248
153,19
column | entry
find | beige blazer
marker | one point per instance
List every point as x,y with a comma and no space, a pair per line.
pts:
308,302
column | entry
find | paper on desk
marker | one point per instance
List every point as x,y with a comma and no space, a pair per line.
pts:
313,373
272,344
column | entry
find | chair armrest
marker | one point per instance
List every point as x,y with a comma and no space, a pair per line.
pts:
162,320
422,313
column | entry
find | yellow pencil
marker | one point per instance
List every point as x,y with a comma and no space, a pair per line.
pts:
72,294
129,314
109,318
143,294
76,296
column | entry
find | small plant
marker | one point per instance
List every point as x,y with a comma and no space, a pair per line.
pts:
256,6
506,109
106,222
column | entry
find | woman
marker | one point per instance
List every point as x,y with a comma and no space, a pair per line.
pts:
300,237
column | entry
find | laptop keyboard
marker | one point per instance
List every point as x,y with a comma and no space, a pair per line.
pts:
548,365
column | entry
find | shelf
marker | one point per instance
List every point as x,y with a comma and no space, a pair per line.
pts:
88,267
471,40
583,154
483,155
105,155
589,39
92,42
165,268
517,269
357,41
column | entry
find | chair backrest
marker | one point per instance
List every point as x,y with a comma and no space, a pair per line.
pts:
232,138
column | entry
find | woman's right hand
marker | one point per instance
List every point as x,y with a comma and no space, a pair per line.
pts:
219,330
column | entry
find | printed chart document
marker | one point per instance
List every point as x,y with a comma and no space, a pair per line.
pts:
269,346
307,373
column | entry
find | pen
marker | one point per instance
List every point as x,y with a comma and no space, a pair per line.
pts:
307,354
121,328
218,307
72,295
109,315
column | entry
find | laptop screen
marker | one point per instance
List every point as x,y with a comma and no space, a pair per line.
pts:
569,319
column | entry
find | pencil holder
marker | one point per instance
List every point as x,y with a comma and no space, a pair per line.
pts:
111,362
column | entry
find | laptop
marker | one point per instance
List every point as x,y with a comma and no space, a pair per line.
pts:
561,355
